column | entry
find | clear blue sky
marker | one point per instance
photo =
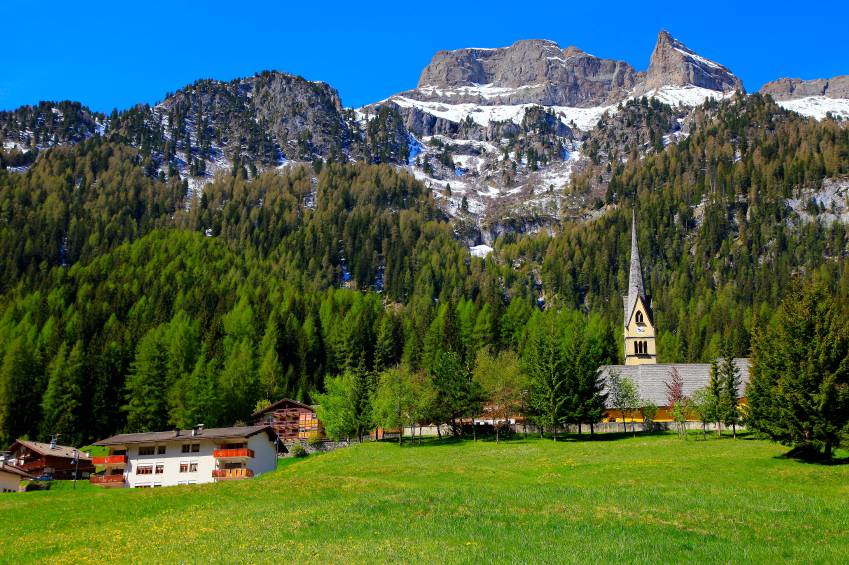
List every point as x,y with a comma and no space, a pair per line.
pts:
115,54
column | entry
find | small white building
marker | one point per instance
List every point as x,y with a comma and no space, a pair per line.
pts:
186,457
11,477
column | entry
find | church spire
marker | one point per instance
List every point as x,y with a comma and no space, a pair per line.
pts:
635,274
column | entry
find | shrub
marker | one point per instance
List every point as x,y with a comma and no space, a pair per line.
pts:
314,439
298,451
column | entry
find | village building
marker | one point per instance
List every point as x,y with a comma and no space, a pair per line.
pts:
50,460
640,352
291,420
11,477
186,457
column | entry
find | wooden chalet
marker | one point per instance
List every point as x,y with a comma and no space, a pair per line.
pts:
49,459
292,420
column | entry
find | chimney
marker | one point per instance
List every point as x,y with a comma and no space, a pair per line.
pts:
53,442
177,432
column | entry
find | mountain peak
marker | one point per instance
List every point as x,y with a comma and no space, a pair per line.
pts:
675,64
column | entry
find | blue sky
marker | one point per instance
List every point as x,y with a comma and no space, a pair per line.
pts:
115,54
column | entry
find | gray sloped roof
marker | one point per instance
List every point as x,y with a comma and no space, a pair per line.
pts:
206,433
45,449
651,379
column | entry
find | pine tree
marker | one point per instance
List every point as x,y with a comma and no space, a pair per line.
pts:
146,407
547,378
799,387
730,391
270,369
62,403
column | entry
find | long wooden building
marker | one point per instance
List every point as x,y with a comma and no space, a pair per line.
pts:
49,460
290,419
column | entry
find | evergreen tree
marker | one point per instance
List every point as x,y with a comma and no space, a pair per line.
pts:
547,378
799,387
146,405
62,404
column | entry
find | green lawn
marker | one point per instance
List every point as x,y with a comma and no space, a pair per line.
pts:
613,500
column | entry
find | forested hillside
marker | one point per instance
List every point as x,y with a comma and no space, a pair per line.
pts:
131,303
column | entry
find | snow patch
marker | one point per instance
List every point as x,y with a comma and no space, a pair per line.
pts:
817,106
480,250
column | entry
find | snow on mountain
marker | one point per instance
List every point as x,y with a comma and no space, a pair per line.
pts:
818,107
688,95
483,115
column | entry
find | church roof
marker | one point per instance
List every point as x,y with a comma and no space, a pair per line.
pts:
636,288
651,379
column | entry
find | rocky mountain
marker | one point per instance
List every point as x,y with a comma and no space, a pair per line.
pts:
527,72
793,88
498,134
818,98
674,64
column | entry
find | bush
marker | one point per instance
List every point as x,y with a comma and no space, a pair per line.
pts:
298,451
314,439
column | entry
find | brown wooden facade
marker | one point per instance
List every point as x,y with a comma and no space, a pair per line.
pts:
43,459
291,420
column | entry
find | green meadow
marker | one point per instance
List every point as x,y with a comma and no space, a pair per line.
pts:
610,500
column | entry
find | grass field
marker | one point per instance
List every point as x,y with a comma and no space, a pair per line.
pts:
613,500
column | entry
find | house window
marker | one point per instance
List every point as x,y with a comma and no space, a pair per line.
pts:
146,450
160,468
144,470
191,447
639,317
160,450
188,466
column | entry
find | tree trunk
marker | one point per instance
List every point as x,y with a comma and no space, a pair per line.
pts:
827,448
624,425
592,429
438,432
704,431
579,428
496,435
734,430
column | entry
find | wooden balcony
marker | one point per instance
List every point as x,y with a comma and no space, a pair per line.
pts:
107,480
110,460
243,453
223,474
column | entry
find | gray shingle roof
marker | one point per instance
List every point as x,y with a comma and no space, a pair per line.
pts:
207,433
651,379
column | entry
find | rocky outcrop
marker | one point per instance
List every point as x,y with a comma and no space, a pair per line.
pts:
527,72
674,64
794,88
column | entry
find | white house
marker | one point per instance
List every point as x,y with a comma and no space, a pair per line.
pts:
186,457
11,477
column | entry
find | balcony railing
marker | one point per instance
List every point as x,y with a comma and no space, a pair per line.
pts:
232,473
110,460
106,479
233,453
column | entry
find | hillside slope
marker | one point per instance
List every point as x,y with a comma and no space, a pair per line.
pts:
519,501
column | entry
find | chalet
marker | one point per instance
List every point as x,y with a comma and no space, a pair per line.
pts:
11,476
641,364
49,459
290,419
186,457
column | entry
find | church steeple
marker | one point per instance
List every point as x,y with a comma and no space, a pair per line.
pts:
639,319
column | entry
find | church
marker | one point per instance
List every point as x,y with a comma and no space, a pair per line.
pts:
640,353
